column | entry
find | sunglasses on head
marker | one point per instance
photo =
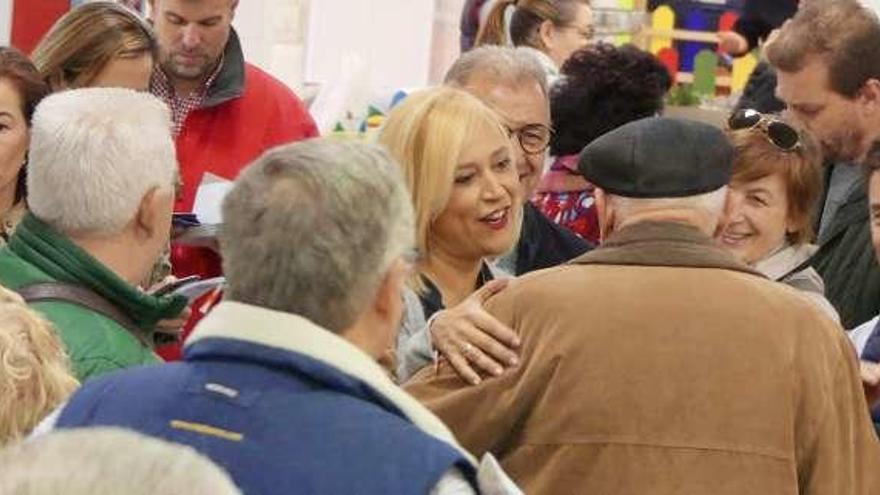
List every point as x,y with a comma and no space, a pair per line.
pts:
782,135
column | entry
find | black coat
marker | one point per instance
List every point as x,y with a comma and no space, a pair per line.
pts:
847,262
543,244
760,17
760,91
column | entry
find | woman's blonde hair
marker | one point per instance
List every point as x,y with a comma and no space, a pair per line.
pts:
756,157
86,39
426,134
35,375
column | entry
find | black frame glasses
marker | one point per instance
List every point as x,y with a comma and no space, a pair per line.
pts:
532,138
780,134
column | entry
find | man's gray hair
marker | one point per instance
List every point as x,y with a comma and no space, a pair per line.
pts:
711,203
311,228
94,154
108,461
505,65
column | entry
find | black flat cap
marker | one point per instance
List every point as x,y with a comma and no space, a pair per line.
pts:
659,157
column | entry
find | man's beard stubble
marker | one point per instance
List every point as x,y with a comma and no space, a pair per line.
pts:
845,146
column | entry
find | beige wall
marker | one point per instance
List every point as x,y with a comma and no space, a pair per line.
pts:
445,44
274,34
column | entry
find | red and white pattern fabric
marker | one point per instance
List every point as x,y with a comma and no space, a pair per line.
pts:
181,105
567,199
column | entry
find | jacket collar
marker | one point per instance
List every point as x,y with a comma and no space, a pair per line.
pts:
662,244
58,257
293,333
854,210
229,83
785,260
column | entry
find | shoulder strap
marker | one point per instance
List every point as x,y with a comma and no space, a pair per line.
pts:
79,295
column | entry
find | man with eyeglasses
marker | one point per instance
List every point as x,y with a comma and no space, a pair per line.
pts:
659,364
512,82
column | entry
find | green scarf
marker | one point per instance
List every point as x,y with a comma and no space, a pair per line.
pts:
40,245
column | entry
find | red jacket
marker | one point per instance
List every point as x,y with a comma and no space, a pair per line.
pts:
245,113
224,138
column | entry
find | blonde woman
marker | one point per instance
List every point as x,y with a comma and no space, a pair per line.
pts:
100,44
457,162
35,375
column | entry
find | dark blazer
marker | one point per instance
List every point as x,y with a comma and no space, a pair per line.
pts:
846,260
544,244
760,17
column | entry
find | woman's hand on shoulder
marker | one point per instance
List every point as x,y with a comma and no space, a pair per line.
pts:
472,339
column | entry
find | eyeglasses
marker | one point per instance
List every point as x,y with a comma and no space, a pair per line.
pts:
533,138
586,33
782,135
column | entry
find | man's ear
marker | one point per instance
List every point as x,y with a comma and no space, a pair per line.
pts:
233,7
389,292
869,97
146,220
605,212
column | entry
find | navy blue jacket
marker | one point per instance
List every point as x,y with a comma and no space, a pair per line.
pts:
278,421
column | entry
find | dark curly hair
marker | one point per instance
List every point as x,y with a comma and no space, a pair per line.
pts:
602,88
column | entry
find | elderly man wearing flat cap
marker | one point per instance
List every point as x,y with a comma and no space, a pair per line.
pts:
657,363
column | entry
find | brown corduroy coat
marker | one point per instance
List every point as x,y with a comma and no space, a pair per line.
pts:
657,364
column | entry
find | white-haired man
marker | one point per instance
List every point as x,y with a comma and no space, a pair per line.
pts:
657,363
108,461
280,383
101,177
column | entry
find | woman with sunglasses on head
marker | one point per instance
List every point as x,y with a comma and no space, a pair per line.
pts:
775,185
553,29
457,161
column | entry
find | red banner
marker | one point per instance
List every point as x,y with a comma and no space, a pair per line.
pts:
31,19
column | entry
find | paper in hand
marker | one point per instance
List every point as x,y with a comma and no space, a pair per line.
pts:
209,199
197,289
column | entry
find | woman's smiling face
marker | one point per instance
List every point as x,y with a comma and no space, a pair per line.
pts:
758,220
482,215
